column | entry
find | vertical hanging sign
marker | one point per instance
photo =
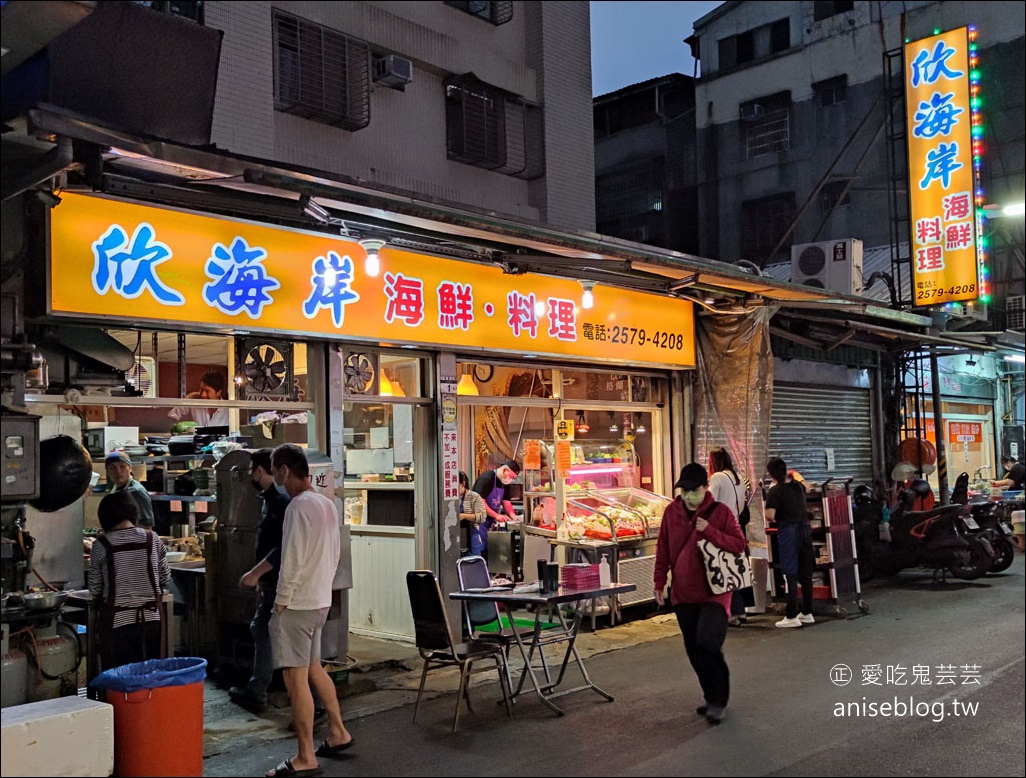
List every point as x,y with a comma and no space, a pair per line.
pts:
940,129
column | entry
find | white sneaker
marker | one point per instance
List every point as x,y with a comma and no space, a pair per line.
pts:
786,623
806,618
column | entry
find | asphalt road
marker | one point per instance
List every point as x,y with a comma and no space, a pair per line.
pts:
786,715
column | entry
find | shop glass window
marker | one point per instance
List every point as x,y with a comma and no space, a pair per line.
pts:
507,381
263,388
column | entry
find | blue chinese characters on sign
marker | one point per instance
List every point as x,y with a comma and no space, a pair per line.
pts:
240,281
937,116
330,287
927,67
128,266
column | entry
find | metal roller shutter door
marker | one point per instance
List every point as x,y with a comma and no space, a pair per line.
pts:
806,421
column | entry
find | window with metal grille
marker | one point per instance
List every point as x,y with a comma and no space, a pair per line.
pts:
1016,310
763,223
831,91
187,10
495,12
629,202
824,10
767,129
320,74
489,128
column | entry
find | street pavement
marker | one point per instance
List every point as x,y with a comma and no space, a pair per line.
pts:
935,686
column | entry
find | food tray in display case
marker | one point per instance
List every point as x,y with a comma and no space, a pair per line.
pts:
590,516
649,504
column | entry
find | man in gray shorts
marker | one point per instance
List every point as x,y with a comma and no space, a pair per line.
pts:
309,557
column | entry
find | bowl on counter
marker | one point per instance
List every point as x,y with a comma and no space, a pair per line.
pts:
41,601
175,556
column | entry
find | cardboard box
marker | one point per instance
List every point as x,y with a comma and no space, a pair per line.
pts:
280,433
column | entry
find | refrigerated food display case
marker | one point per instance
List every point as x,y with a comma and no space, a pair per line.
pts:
629,518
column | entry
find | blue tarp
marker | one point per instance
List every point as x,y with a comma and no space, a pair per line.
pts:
153,674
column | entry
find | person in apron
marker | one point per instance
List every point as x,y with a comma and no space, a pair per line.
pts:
493,485
128,573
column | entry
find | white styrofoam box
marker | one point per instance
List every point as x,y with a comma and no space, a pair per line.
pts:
66,736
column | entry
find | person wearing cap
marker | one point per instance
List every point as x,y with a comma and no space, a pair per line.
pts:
694,515
119,476
493,485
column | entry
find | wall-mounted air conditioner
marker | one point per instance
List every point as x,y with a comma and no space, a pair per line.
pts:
393,71
831,264
751,112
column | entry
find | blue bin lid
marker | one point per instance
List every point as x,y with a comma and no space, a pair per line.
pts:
153,674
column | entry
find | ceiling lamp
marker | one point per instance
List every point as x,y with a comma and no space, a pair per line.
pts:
587,297
640,429
612,425
372,265
582,423
466,386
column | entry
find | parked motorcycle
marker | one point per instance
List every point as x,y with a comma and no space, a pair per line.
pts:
997,531
935,538
993,534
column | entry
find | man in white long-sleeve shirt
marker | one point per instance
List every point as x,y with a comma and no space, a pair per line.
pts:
309,556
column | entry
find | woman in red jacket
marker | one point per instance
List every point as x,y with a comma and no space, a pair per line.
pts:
702,615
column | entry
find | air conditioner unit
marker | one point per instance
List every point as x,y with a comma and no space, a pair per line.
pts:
143,376
751,112
1015,307
393,71
832,264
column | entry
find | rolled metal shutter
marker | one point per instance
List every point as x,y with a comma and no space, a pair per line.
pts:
806,421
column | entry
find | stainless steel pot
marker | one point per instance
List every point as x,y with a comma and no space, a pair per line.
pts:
40,601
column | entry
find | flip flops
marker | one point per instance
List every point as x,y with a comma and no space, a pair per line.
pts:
333,752
286,768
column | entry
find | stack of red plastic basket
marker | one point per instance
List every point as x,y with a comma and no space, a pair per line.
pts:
579,576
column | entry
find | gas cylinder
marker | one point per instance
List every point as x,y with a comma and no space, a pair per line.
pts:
54,658
13,680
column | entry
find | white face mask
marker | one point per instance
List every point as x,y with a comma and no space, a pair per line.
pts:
694,497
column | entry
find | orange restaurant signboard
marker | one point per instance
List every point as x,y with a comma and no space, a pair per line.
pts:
939,125
120,261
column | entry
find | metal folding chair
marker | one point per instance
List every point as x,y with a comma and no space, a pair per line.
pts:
438,648
472,573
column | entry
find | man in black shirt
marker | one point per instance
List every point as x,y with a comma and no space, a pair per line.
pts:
785,507
1015,473
263,576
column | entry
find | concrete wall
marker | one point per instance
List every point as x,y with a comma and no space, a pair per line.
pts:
850,44
542,55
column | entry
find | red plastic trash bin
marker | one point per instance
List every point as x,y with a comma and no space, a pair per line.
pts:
158,716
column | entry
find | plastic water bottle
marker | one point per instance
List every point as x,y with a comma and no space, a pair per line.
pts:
605,574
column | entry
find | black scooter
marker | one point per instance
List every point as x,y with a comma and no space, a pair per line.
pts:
934,539
997,532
